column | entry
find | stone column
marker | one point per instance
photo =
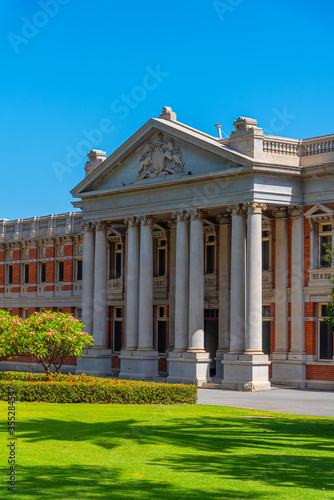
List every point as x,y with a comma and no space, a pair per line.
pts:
238,277
193,365
142,364
196,283
297,352
181,282
224,292
100,285
97,361
172,279
246,371
88,258
254,279
132,285
281,284
145,326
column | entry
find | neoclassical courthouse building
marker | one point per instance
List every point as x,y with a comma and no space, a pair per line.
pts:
193,259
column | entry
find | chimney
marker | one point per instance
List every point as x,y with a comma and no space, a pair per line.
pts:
95,158
247,137
219,129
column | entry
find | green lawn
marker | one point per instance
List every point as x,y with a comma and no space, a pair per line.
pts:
125,452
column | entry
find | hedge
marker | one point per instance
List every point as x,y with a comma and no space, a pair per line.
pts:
83,389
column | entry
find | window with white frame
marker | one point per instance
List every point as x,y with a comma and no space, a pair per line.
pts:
78,270
117,327
160,256
161,329
60,270
325,335
25,313
25,274
324,241
116,259
9,274
42,272
265,250
266,326
78,313
209,253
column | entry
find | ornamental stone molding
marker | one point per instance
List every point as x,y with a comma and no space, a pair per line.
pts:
101,225
254,207
296,211
131,221
224,219
195,213
160,159
180,215
237,209
145,220
87,226
280,212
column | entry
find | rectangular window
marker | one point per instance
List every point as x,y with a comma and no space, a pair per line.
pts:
325,239
25,314
25,274
78,313
161,329
79,270
61,270
209,254
161,256
325,335
265,251
10,274
42,271
266,323
116,250
117,329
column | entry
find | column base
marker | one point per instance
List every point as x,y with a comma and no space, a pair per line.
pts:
245,372
289,372
139,365
96,363
189,368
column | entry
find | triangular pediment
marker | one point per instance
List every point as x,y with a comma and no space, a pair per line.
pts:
158,152
319,212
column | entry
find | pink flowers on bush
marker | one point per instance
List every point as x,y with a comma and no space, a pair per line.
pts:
50,337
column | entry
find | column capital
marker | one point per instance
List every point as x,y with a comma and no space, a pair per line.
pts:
254,207
195,214
145,220
131,221
296,210
87,226
101,225
224,219
280,212
181,215
236,209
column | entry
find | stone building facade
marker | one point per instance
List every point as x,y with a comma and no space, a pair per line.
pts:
194,258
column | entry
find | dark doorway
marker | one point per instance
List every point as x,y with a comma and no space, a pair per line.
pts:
211,336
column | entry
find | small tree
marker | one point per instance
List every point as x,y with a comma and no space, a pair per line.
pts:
12,336
329,319
54,337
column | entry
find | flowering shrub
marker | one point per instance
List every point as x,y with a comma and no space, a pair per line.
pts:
83,389
12,336
53,337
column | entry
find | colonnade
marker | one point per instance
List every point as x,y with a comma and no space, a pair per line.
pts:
240,294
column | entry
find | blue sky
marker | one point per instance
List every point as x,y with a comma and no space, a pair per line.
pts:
78,74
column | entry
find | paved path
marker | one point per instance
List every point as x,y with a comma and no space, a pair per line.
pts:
296,401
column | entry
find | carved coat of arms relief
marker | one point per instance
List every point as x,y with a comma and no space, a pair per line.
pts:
160,159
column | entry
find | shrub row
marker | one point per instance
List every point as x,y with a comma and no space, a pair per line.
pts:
96,391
